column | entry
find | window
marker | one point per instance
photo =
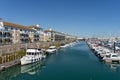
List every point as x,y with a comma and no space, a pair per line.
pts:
20,29
114,55
11,28
6,28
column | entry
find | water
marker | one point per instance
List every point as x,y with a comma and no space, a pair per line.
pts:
73,63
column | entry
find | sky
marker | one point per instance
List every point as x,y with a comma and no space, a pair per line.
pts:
84,18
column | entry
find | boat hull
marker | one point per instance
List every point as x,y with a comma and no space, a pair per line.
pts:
25,62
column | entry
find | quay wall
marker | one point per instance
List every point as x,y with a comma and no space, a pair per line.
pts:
10,54
8,49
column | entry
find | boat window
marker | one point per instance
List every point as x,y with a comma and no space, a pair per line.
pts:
32,53
108,56
39,49
28,53
51,48
114,55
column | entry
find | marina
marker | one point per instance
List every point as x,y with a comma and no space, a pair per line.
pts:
105,52
74,62
60,40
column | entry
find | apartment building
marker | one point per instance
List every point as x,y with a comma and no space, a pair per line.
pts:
51,35
15,33
11,33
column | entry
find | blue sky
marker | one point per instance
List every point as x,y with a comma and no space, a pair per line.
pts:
86,18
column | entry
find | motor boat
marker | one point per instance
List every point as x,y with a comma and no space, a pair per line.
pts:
51,49
32,55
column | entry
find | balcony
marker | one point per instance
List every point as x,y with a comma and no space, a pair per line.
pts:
5,41
36,40
24,40
36,36
26,36
5,36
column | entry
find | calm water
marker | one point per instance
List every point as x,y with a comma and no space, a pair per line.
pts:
73,63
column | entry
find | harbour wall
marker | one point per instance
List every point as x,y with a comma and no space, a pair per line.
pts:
10,54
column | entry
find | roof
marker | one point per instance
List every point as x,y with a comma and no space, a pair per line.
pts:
35,27
52,31
49,31
17,26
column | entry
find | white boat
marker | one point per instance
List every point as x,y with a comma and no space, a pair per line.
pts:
32,55
112,56
105,52
73,43
51,49
64,45
67,45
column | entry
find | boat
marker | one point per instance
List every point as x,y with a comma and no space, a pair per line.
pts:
32,55
112,57
64,45
104,53
51,49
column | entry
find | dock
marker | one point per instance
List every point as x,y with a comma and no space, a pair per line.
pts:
107,54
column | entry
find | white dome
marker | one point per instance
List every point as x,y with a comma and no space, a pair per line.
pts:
37,25
1,25
50,29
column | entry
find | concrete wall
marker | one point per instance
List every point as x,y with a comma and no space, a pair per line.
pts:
8,49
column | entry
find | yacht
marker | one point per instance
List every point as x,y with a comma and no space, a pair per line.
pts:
64,45
51,49
32,55
112,56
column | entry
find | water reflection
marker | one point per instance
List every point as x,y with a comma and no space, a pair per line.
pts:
32,69
114,67
10,73
13,72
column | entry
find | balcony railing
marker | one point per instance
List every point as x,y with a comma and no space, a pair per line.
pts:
23,41
24,37
5,30
5,43
5,36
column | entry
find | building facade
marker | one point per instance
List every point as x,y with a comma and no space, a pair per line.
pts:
15,33
53,36
11,33
5,34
